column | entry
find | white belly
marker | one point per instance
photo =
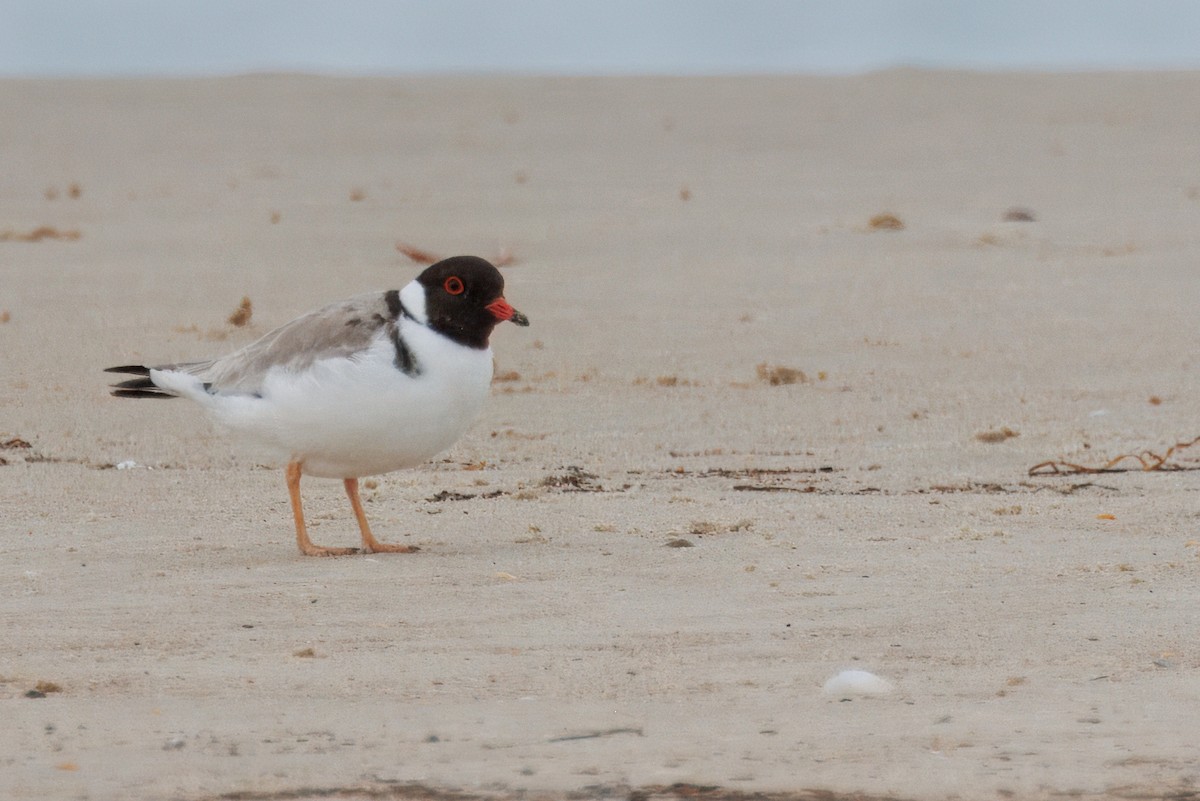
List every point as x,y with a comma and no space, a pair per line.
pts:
345,418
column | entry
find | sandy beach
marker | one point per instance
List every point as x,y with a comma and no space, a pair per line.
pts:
795,345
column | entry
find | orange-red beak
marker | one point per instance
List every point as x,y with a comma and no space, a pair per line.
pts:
502,311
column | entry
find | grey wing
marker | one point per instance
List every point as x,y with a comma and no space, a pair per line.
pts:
340,329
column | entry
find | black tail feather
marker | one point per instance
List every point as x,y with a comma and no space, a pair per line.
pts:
135,383
137,387
142,393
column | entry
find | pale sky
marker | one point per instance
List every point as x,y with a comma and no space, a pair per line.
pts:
204,37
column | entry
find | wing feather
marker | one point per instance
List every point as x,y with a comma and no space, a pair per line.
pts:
340,329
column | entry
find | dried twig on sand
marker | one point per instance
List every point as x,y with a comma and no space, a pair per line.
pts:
503,258
1147,460
38,234
416,254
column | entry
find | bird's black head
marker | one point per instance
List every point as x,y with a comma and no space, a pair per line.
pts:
464,300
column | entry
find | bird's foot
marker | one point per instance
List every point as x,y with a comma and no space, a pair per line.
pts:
320,550
387,547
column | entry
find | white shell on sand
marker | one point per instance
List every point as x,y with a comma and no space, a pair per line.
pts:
857,682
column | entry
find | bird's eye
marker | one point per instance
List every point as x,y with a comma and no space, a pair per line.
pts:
454,285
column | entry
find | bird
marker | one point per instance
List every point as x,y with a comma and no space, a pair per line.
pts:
378,382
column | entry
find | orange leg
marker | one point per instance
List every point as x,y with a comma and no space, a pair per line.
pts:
369,542
306,546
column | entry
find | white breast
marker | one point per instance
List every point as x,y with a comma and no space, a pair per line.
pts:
350,417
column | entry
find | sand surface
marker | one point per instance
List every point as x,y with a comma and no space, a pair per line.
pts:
1042,633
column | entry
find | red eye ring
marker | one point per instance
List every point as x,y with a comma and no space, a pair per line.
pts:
454,285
